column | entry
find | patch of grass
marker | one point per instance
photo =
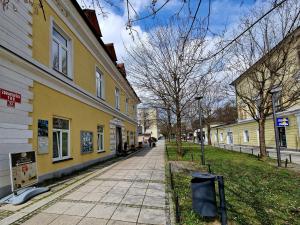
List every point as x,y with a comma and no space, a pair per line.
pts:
256,192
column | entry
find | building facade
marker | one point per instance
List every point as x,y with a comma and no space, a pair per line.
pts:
63,95
245,132
148,123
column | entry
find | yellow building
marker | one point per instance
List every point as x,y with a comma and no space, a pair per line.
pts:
245,132
76,106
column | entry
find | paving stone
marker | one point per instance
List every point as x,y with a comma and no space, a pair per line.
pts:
136,191
79,209
92,221
157,186
118,190
66,220
140,185
59,207
93,197
152,216
94,182
133,200
87,188
102,211
128,214
124,184
155,193
77,195
116,222
112,198
103,189
154,201
41,218
109,183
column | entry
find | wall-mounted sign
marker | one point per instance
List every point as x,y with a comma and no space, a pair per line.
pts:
23,170
282,122
86,141
43,136
10,97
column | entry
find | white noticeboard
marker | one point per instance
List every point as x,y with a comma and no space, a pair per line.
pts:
23,170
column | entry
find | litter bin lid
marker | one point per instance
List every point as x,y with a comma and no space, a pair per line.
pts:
207,176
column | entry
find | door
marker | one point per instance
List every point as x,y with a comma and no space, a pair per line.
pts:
119,139
282,137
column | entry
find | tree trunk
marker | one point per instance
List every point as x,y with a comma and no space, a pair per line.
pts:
262,141
169,124
208,134
178,134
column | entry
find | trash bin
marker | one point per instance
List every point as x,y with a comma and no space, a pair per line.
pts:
204,194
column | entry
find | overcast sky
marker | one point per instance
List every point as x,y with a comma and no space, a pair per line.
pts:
113,27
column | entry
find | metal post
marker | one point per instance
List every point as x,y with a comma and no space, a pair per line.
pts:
276,131
201,132
290,155
222,200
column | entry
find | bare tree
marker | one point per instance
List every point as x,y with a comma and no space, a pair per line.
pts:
266,56
171,66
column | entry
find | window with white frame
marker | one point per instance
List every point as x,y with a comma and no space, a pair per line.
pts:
61,52
216,137
61,139
221,136
99,84
246,136
126,105
100,138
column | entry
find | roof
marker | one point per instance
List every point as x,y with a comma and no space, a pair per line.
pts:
97,36
92,18
264,57
111,49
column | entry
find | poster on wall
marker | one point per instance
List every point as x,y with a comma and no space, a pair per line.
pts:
23,170
43,136
86,141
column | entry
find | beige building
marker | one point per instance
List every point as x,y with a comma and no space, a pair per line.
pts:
147,123
245,132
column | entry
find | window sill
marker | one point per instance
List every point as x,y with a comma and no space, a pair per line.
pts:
65,75
102,151
61,160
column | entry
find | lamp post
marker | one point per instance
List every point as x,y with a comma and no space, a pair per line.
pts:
198,98
273,93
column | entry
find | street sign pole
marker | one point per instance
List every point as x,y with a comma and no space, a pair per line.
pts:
276,132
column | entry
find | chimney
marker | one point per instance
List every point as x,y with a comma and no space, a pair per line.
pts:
92,18
111,50
121,68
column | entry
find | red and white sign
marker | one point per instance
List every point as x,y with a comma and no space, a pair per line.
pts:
10,97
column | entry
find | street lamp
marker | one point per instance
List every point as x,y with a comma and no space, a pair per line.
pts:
198,98
273,93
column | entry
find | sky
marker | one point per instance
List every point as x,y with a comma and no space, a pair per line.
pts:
224,13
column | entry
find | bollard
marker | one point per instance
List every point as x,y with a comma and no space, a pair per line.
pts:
290,155
177,209
286,162
192,154
252,151
258,156
268,153
222,200
240,149
171,177
209,170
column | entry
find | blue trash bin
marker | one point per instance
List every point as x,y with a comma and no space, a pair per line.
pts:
204,194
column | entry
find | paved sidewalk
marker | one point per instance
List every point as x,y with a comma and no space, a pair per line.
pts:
130,192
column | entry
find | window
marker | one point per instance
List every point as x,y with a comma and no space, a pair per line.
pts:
99,84
60,52
216,137
277,100
100,138
126,105
117,98
229,138
61,139
221,136
246,136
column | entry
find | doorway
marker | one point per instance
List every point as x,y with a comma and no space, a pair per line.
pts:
119,139
282,137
